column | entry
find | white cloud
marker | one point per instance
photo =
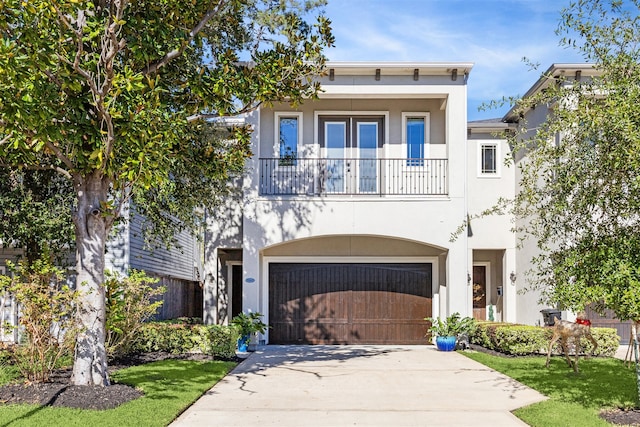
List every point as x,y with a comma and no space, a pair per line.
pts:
493,34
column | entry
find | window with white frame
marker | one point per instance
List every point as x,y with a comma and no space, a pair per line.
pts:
288,137
488,159
415,137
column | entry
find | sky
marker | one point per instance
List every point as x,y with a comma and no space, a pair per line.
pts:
494,35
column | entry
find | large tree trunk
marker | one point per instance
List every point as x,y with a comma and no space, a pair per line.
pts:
91,226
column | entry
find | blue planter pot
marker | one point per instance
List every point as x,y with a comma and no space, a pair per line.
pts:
446,343
243,342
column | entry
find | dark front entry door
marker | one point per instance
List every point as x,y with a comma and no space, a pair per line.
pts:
236,292
480,292
349,303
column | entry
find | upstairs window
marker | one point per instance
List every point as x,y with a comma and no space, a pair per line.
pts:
288,137
488,162
415,137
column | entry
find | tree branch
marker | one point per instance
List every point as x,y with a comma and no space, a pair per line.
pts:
110,48
204,116
53,78
155,66
6,138
77,33
64,159
58,169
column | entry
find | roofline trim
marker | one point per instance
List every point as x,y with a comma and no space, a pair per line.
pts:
554,70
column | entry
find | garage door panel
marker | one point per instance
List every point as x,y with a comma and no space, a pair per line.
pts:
349,303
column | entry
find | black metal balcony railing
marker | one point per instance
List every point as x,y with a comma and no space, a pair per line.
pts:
329,176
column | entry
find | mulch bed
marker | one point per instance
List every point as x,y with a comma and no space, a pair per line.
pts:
59,391
625,417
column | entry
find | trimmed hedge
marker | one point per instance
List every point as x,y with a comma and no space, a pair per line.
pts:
523,339
177,338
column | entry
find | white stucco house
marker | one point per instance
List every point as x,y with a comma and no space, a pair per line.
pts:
342,231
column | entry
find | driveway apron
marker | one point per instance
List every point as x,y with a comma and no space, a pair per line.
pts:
360,385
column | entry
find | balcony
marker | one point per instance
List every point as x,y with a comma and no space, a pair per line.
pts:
349,176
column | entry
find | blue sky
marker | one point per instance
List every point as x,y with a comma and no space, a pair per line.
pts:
493,34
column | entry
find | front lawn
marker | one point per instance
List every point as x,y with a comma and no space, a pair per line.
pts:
574,399
169,386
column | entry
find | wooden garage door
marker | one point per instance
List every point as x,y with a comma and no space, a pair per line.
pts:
608,320
349,303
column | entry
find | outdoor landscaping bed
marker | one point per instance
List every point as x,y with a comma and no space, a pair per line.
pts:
624,417
59,391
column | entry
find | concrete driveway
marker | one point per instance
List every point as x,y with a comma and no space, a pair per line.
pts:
360,385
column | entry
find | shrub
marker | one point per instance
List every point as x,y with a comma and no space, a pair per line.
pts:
218,340
177,338
47,317
173,338
523,339
607,339
129,303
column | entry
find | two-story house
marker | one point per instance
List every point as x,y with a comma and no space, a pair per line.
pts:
527,302
342,231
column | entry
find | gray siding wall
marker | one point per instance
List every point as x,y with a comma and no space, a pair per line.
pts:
116,257
183,262
8,254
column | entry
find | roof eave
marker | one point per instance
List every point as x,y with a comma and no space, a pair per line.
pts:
400,68
555,70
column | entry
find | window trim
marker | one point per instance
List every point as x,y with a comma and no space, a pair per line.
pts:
276,133
427,132
481,145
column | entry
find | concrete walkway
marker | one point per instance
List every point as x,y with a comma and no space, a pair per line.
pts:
360,385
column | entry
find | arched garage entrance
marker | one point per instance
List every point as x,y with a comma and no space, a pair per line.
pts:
366,296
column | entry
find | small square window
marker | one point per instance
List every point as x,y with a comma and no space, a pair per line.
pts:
488,159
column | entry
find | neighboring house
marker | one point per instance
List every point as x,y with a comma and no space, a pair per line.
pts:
342,233
527,305
178,269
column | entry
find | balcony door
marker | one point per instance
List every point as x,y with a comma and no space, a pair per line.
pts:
351,151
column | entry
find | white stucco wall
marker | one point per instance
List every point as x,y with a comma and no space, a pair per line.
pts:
528,303
272,220
493,232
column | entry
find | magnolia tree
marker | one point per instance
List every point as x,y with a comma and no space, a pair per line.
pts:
580,178
121,99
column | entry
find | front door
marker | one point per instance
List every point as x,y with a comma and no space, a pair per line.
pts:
480,292
351,152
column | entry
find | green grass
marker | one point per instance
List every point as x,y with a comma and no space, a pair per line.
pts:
574,399
170,386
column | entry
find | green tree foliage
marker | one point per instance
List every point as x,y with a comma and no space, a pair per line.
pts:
124,99
580,178
36,213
